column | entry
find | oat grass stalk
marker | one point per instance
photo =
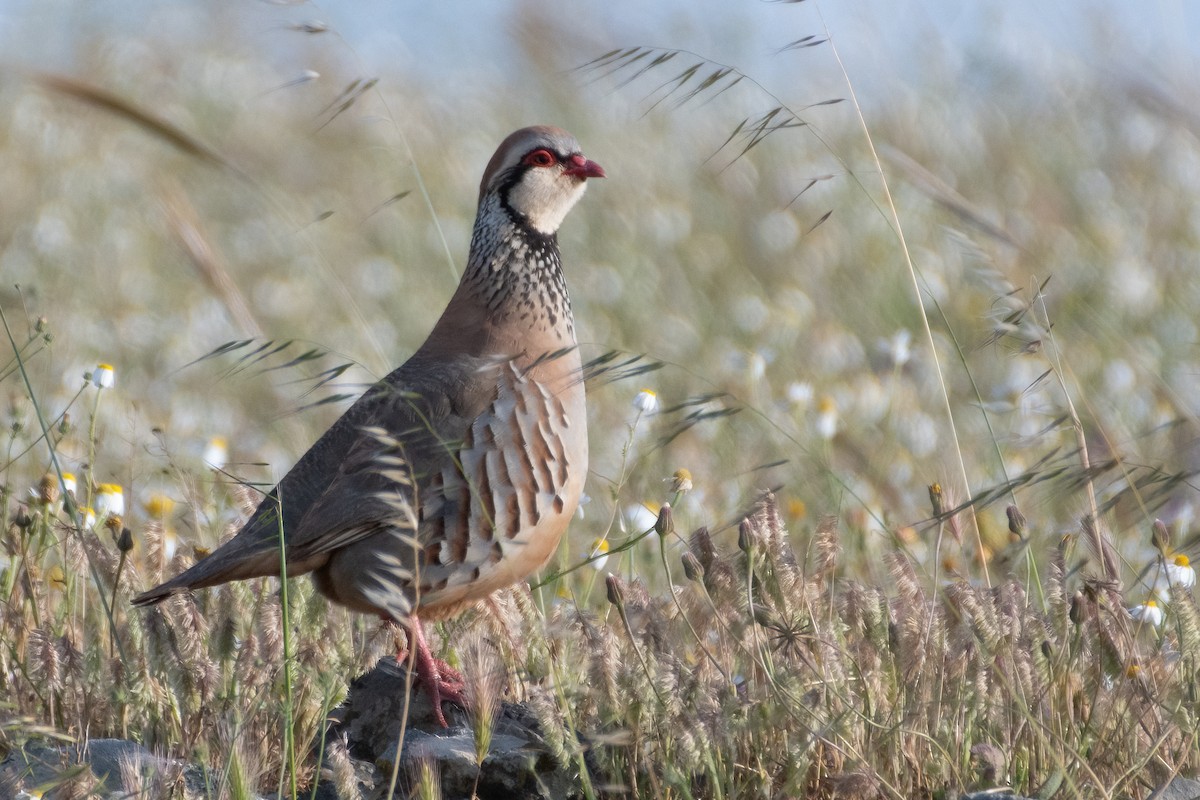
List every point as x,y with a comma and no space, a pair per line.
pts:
289,733
948,407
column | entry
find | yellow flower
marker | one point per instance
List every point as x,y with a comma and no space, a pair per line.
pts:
681,481
159,506
56,578
796,508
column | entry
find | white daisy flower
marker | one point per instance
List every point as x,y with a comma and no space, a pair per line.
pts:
646,401
110,500
639,517
1149,612
216,453
104,376
599,552
827,418
1180,572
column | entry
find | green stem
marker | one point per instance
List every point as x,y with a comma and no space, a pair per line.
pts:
289,732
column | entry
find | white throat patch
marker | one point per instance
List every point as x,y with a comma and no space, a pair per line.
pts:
544,196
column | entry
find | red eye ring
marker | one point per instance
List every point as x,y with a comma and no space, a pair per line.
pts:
540,158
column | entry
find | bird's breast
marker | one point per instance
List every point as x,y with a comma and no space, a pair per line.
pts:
496,512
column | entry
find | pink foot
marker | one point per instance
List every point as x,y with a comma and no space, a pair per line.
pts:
441,681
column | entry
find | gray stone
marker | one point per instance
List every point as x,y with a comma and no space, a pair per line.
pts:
1179,788
518,764
40,764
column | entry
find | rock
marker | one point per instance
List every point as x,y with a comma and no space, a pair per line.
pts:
1179,788
518,765
40,764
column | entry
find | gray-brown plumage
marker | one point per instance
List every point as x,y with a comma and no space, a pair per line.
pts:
457,474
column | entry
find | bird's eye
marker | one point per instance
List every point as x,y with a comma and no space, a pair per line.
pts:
540,158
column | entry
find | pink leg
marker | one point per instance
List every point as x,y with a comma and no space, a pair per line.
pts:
440,680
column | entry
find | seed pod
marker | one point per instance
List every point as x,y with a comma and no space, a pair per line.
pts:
1016,521
936,499
665,524
1160,536
615,594
1076,612
745,536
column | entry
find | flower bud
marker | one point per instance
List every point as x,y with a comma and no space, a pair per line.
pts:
936,500
745,536
1076,612
665,524
1016,521
1160,536
615,595
762,615
692,567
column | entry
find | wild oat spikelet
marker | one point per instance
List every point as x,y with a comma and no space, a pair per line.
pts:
73,662
1184,606
827,547
80,785
270,628
133,774
702,547
550,722
907,583
345,779
245,499
45,661
1101,548
427,782
191,626
485,679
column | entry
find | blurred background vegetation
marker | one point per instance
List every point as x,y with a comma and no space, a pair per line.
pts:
770,283
300,181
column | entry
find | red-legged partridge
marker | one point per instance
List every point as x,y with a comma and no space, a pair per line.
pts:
456,475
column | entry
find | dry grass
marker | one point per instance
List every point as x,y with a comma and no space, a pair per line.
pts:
876,626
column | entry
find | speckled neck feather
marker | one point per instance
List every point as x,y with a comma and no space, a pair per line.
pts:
515,272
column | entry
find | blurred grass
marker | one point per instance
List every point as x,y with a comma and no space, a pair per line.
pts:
707,262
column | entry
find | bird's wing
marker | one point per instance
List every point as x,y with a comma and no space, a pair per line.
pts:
385,477
345,487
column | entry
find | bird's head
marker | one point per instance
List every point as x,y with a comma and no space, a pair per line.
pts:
538,173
